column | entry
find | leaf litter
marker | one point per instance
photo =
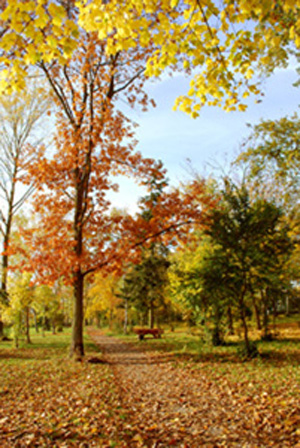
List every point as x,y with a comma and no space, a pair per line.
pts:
136,396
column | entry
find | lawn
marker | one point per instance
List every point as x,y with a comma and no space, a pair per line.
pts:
276,371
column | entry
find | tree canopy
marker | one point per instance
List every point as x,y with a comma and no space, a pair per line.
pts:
227,43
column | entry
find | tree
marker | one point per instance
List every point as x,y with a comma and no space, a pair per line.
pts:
102,298
226,43
272,155
197,282
21,119
89,146
144,284
251,246
17,314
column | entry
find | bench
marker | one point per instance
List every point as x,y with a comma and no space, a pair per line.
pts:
155,332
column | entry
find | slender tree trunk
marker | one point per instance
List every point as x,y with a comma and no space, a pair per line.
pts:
98,320
4,264
265,317
35,321
230,320
126,317
27,320
257,313
110,319
6,240
287,305
152,315
244,322
77,348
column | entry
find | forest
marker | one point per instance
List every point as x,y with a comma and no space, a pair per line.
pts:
177,324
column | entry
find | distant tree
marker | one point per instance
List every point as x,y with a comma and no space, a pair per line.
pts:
272,156
251,244
102,298
21,117
17,314
144,285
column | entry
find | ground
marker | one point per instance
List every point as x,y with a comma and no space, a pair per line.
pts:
134,393
178,403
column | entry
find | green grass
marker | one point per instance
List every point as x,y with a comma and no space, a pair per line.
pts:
194,344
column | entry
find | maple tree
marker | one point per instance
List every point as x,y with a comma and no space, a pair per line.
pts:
227,44
94,141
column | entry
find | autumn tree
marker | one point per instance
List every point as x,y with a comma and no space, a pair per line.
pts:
21,118
18,312
199,285
225,44
102,298
86,76
272,157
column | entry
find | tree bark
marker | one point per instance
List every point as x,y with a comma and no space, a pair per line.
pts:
126,317
257,313
244,322
230,320
4,264
28,340
77,348
152,315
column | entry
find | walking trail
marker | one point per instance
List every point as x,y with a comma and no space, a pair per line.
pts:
173,406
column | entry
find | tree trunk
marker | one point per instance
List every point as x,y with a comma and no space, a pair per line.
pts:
230,320
77,348
151,315
28,340
6,240
287,305
257,313
126,317
265,320
244,323
4,266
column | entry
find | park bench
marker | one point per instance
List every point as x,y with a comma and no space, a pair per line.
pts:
155,332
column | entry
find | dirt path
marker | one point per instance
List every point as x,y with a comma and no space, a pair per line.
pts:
173,406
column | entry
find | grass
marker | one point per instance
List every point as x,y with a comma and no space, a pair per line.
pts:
278,363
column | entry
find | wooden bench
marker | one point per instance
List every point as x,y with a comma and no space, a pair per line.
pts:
155,332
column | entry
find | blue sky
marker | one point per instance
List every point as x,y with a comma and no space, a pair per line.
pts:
211,139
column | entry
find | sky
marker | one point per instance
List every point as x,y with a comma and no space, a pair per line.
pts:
211,140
